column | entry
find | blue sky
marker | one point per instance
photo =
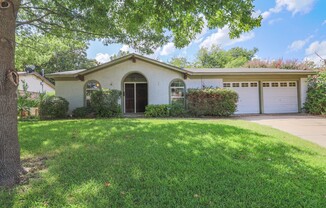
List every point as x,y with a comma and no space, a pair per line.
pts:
291,29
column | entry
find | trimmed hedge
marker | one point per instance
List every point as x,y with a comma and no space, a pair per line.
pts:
157,110
166,110
178,110
212,102
316,94
53,107
105,103
83,112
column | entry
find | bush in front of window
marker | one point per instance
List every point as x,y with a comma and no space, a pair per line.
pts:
178,109
105,103
212,102
316,94
53,107
83,112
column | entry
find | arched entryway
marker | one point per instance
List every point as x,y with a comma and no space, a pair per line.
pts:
135,93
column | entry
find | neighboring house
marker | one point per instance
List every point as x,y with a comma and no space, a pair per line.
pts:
36,83
146,81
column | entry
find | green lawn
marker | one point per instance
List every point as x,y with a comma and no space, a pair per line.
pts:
168,163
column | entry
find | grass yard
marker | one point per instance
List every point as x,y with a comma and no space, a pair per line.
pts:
167,163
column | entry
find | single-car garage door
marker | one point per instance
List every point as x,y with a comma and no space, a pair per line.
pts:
248,96
280,97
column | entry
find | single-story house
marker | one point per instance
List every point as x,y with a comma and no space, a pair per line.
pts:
146,81
36,83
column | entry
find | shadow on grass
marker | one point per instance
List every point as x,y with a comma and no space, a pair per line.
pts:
155,163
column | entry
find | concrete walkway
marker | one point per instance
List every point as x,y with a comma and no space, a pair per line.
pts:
311,128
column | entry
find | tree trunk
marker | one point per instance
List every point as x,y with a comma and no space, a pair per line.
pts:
9,145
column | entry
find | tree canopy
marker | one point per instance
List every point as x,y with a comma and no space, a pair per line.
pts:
141,24
216,57
51,53
282,64
119,54
180,62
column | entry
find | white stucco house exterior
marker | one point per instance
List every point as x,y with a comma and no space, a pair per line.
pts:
146,81
36,83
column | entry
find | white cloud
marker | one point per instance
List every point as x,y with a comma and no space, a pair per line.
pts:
205,29
266,14
273,21
293,6
316,47
221,38
155,55
102,57
324,23
271,11
167,49
126,48
299,44
296,6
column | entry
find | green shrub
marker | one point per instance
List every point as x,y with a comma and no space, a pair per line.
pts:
83,112
165,110
157,110
316,94
212,102
105,103
53,107
177,110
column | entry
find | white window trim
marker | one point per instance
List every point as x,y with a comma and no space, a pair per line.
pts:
171,97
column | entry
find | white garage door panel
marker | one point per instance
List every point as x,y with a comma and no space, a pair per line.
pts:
248,96
280,99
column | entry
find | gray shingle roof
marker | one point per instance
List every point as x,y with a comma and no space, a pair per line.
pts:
244,70
189,71
69,72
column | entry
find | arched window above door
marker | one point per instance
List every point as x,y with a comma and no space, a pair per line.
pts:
135,77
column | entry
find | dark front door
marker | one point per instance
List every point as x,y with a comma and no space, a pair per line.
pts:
130,98
136,97
141,97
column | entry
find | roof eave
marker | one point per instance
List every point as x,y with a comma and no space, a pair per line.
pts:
53,76
251,73
132,57
37,75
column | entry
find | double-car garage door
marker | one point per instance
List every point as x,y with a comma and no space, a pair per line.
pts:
270,97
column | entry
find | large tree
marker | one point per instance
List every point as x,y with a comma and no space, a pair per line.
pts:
51,53
180,62
216,57
119,54
72,59
141,24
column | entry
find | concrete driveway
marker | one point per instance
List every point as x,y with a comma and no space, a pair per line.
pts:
311,128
